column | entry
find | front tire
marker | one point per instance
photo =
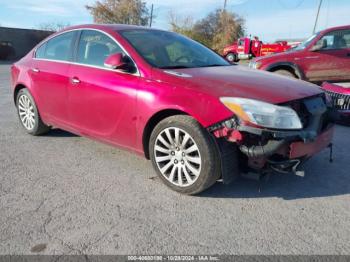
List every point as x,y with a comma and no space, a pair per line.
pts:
232,57
286,73
29,115
185,155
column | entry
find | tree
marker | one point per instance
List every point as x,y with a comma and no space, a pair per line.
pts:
53,26
120,12
185,25
217,30
230,27
181,25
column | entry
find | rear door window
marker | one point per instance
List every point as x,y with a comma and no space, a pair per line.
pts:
58,48
40,52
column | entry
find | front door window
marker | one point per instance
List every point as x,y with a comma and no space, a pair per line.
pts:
95,47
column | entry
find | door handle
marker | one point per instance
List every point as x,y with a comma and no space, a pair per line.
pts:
35,70
75,80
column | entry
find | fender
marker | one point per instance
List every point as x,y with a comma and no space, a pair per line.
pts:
300,74
22,77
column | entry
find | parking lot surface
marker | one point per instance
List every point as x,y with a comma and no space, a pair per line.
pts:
70,195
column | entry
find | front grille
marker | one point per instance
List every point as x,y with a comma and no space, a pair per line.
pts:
301,110
340,101
306,116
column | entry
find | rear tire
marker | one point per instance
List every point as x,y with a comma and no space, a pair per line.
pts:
286,73
185,155
29,115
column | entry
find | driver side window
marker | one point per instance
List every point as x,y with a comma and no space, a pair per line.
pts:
335,40
94,48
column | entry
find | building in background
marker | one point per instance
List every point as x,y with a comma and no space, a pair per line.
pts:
16,43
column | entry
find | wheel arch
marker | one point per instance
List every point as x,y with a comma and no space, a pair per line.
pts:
21,86
291,67
151,124
16,91
232,52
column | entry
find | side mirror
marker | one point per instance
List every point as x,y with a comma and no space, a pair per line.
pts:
322,44
116,61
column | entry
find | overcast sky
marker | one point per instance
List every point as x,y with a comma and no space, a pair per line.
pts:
269,19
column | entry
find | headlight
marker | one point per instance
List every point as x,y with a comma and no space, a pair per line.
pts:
254,65
263,114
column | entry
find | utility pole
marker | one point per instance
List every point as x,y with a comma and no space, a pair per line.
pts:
225,4
318,14
151,19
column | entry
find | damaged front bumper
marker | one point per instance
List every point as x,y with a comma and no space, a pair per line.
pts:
263,151
285,152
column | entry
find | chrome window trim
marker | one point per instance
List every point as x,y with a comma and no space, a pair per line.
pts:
137,73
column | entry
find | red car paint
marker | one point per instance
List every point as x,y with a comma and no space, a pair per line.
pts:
329,64
246,48
116,107
299,149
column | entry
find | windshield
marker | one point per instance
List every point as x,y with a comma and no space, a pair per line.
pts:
305,44
169,50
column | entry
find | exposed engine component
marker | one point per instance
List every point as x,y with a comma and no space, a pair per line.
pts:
262,151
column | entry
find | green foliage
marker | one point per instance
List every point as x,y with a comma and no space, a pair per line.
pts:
217,30
120,12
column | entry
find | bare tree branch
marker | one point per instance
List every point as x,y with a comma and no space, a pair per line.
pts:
53,26
217,30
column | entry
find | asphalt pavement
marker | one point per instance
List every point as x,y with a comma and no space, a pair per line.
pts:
64,194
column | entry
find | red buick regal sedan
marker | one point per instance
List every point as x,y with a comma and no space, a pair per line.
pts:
197,117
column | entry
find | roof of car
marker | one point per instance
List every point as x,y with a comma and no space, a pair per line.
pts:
114,27
336,28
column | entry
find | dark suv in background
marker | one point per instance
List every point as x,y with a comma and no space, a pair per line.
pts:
323,57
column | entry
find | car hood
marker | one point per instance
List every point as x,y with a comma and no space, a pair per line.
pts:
239,81
281,55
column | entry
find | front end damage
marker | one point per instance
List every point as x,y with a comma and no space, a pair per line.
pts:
263,151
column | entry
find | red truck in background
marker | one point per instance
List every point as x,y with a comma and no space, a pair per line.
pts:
247,48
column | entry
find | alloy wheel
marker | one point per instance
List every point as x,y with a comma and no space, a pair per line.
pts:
26,112
178,157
